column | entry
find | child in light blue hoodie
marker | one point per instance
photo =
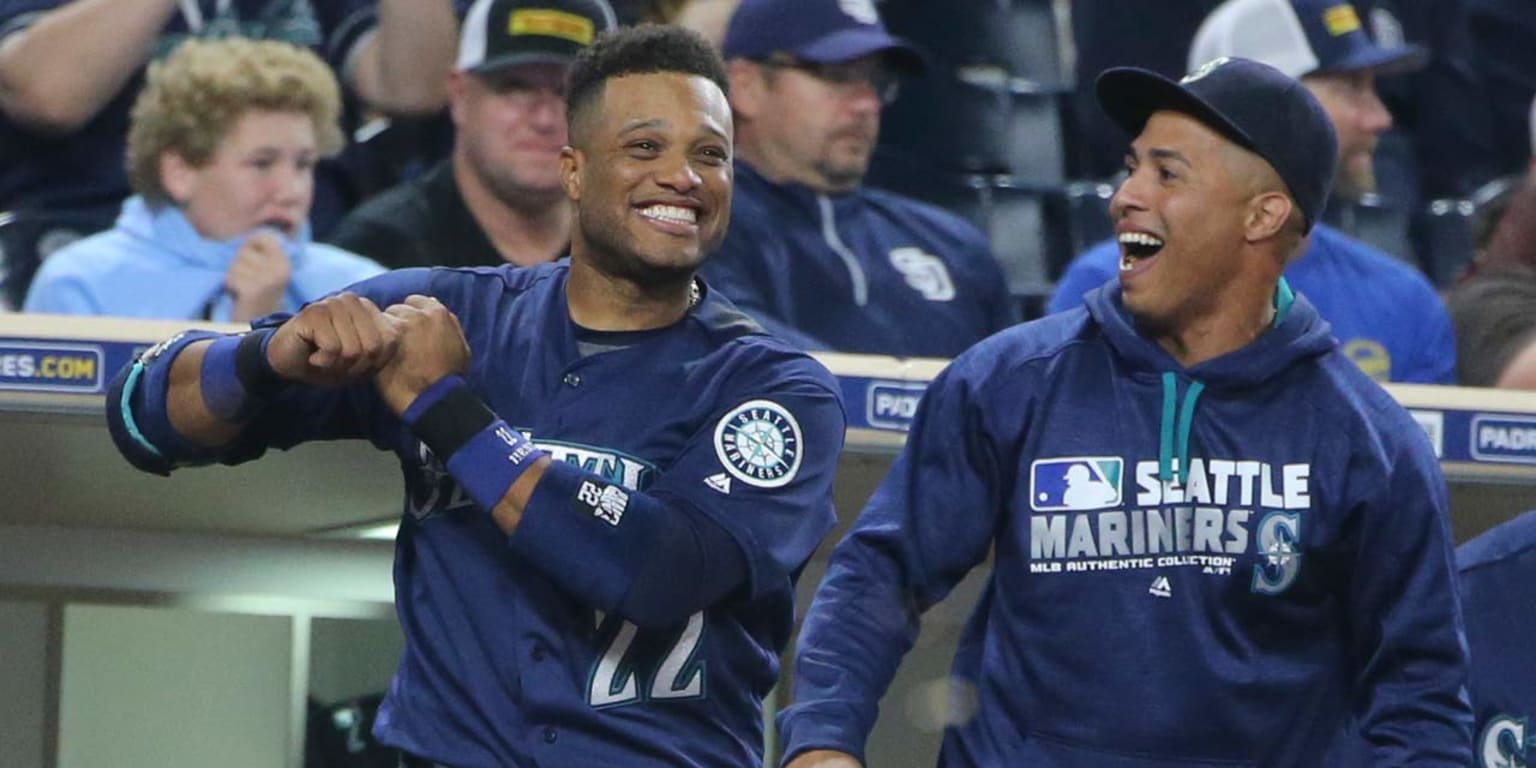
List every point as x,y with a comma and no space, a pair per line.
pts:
221,152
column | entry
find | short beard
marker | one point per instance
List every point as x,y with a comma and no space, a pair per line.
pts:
841,177
610,253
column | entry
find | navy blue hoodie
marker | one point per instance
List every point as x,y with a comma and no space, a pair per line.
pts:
1212,565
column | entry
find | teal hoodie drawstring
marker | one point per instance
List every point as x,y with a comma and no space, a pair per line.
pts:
1185,422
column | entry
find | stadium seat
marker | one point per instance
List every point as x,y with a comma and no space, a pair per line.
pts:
1374,221
29,237
1444,234
980,120
1017,36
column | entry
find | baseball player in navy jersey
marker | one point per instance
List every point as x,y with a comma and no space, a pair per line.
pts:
1497,569
1213,537
613,477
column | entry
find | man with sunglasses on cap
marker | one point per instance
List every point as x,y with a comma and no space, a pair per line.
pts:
811,254
1271,550
1386,314
496,198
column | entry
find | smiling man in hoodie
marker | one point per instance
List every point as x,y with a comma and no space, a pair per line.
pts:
222,154
1267,549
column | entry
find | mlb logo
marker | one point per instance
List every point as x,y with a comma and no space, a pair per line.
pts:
1075,483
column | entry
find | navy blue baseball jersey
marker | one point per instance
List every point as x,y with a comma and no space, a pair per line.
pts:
517,651
1208,565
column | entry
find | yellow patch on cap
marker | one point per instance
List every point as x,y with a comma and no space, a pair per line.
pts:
1341,20
566,26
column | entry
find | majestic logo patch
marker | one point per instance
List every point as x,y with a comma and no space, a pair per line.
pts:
1075,482
1160,587
719,481
759,443
604,502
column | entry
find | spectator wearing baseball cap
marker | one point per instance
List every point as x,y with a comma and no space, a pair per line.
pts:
496,198
1386,314
1324,44
811,253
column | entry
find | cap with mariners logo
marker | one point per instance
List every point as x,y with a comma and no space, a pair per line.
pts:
821,31
1299,38
503,33
1254,105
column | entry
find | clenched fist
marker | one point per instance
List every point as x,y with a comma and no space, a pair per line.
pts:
258,277
431,346
333,341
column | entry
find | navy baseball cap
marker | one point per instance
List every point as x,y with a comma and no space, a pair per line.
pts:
1254,105
504,33
1299,38
821,31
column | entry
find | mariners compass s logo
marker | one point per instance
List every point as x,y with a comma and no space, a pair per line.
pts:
759,443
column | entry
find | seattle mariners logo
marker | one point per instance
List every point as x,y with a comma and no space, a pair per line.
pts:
759,443
1504,744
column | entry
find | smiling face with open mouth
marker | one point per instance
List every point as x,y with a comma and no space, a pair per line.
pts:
1178,221
651,176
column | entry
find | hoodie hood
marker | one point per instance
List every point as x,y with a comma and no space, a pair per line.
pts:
1297,333
170,230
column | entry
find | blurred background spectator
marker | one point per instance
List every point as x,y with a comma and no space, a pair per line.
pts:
990,134
813,253
1440,109
222,149
1494,307
70,70
707,17
497,197
1386,314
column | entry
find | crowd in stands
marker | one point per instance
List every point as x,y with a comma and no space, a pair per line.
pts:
143,176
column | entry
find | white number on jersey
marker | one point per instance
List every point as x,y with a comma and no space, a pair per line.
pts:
614,682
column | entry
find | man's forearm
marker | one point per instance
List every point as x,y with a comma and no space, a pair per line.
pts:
58,73
403,66
185,405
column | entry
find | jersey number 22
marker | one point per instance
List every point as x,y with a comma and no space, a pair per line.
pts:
615,681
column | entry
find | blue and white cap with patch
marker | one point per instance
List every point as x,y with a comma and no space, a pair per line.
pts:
1299,38
821,31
